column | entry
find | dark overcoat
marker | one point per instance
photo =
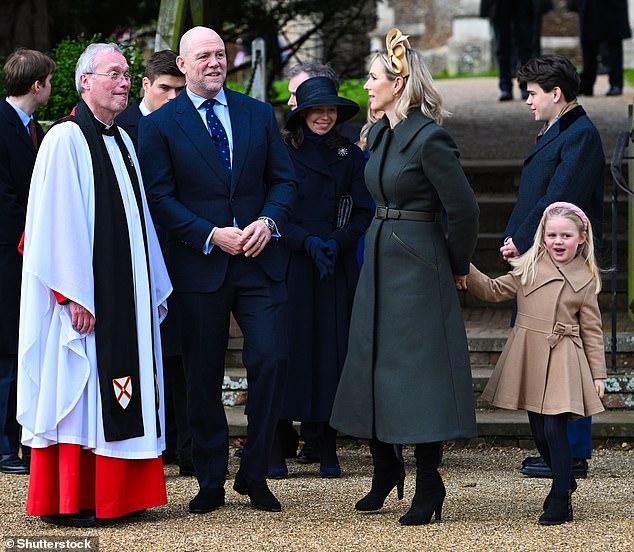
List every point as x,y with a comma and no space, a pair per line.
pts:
566,164
17,157
319,311
603,20
407,377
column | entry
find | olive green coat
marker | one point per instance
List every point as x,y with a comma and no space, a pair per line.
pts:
407,377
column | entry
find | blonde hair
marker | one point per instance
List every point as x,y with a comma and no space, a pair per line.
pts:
525,266
418,91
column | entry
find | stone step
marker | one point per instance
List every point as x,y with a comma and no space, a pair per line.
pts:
612,424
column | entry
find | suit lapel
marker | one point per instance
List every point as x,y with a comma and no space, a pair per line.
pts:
188,119
14,120
240,126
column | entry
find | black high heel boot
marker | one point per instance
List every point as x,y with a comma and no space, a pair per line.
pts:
430,489
389,472
559,509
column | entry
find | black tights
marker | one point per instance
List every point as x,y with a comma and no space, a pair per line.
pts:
550,433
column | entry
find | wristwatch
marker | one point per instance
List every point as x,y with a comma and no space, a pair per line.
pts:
269,224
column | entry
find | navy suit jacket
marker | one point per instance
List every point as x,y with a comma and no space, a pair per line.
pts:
17,158
190,193
566,164
128,120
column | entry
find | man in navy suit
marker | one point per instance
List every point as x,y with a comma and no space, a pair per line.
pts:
27,79
566,164
162,82
221,183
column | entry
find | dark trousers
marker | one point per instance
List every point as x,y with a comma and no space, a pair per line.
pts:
614,60
513,26
177,436
259,307
9,427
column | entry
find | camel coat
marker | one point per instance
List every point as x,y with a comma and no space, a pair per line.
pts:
556,348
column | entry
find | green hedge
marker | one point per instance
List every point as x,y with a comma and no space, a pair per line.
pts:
64,95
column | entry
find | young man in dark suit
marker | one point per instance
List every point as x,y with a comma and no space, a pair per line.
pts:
221,183
27,80
567,163
162,82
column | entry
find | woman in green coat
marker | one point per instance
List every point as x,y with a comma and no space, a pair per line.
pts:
407,378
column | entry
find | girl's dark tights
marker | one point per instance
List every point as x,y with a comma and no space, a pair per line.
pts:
550,433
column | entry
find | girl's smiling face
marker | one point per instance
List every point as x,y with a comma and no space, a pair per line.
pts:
562,238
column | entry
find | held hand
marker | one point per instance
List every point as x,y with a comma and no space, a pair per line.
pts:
461,281
81,320
254,238
599,385
331,247
228,239
316,248
508,250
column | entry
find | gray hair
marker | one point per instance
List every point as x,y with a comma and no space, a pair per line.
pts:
314,70
86,62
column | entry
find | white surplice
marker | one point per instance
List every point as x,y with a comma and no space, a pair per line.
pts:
58,387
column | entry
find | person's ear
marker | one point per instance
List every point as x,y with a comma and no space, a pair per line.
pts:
557,94
398,85
583,237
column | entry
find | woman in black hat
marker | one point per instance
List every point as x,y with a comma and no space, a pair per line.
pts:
332,210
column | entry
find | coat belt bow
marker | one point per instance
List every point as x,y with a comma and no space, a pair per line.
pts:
565,330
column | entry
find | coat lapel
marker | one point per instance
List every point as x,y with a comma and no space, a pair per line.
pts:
546,272
188,119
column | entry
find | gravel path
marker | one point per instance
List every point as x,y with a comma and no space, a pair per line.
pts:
489,506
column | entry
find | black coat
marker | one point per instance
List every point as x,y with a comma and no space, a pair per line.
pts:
17,158
603,20
129,119
319,311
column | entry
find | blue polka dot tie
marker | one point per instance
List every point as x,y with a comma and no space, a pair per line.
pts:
218,135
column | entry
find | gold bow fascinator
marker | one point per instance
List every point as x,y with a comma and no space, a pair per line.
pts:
396,42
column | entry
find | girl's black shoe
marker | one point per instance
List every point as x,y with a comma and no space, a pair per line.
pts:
559,510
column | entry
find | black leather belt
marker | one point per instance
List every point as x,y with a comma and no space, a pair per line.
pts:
384,213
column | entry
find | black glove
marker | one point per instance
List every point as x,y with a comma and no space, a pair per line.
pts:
316,248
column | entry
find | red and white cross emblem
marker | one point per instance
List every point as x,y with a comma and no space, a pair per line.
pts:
123,390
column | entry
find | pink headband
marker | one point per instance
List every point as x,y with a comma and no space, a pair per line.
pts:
571,207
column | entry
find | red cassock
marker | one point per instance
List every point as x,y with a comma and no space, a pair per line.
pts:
66,479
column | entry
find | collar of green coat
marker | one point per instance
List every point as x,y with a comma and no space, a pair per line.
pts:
576,273
403,133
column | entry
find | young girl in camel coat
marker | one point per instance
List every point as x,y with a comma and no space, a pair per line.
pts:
553,364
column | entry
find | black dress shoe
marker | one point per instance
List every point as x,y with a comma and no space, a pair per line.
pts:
83,518
259,493
537,467
207,500
12,463
532,460
506,96
309,453
579,468
614,91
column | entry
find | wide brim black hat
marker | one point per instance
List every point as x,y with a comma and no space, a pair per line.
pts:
318,91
